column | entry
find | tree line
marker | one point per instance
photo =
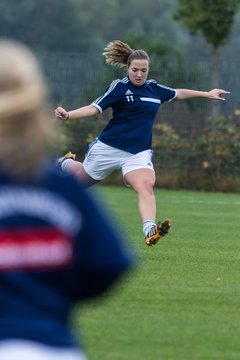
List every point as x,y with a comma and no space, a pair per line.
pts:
186,40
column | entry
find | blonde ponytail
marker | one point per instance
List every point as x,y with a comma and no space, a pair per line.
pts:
119,54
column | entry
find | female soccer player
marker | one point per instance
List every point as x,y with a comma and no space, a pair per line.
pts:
125,143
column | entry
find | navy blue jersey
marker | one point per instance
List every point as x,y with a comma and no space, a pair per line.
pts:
134,111
56,248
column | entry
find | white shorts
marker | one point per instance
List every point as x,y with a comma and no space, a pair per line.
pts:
102,159
30,350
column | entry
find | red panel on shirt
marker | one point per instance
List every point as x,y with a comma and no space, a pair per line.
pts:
34,248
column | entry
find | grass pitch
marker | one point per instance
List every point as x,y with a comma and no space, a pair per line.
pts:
182,300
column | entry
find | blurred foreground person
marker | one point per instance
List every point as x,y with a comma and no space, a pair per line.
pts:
56,246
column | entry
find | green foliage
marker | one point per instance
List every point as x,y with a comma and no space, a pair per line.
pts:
207,159
219,146
214,18
204,159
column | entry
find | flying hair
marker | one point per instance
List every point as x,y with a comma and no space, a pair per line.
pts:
117,53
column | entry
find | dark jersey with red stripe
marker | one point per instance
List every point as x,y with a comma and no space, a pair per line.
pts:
56,248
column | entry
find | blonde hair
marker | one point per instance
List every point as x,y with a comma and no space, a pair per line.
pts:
25,128
118,53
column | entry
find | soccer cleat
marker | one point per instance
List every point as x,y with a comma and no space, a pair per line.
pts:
69,155
157,232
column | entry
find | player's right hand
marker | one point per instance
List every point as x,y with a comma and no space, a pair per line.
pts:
61,113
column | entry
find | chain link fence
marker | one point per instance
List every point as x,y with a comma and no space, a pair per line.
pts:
190,149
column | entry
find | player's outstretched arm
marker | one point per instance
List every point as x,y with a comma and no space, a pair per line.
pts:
82,112
215,94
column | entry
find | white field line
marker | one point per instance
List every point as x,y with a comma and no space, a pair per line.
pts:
199,201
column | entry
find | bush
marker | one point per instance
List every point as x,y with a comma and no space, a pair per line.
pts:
207,159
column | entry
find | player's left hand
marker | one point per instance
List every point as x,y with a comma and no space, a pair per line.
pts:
217,94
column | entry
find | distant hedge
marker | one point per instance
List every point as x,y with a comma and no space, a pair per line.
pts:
204,158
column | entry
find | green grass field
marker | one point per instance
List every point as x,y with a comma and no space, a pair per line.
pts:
182,302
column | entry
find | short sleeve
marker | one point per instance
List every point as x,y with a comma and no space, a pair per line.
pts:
166,93
110,96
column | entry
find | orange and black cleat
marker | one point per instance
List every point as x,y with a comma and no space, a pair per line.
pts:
69,155
157,232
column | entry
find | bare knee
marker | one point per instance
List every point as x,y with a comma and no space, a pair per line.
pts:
146,187
76,168
141,180
143,186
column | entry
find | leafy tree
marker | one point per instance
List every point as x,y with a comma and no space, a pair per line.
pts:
214,19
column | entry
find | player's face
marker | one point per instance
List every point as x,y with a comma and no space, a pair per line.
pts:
138,71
